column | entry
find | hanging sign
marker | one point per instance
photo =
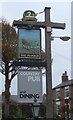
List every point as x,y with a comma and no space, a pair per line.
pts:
29,43
29,86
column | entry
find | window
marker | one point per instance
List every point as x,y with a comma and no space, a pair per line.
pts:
58,108
58,94
66,92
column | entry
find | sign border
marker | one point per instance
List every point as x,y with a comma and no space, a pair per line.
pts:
34,55
39,101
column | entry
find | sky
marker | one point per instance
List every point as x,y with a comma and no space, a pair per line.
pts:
61,51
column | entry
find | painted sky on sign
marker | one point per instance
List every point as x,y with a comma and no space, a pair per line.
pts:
29,35
61,13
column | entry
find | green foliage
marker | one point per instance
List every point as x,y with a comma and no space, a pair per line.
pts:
42,111
26,110
20,111
71,110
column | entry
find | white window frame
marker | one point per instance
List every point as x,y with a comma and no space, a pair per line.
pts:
58,107
66,91
58,94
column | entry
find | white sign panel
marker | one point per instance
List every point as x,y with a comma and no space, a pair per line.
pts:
29,86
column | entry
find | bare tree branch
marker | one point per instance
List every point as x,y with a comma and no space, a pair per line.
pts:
2,71
12,76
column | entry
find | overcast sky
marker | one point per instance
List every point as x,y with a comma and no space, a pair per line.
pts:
61,13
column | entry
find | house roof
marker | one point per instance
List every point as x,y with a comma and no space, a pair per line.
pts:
63,84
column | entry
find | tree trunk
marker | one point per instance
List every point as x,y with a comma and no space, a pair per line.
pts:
7,93
6,105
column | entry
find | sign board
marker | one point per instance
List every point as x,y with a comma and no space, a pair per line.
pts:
29,86
29,43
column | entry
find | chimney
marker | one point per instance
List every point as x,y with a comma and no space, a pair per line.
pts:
64,77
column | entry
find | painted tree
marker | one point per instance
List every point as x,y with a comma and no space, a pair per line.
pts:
9,52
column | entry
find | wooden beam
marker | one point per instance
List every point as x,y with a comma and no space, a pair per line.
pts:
39,24
28,23
29,63
58,25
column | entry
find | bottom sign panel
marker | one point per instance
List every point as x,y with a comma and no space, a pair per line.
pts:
29,86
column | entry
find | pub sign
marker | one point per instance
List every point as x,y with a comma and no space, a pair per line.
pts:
29,86
29,43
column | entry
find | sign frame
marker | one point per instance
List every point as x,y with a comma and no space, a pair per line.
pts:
29,86
30,50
